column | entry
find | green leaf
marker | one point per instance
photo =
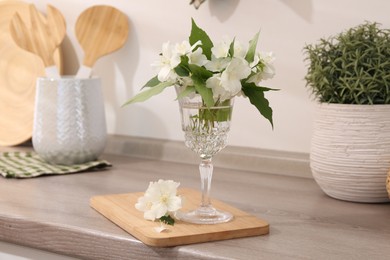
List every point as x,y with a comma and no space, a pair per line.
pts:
197,34
182,69
250,55
200,72
186,92
267,89
167,219
224,114
231,48
205,92
152,82
145,95
256,97
199,77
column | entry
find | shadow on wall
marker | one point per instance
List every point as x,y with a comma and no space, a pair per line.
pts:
117,75
129,65
222,9
303,8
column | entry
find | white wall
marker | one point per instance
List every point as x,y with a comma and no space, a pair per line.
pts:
286,25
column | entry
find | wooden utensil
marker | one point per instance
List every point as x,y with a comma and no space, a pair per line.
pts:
44,36
100,30
18,72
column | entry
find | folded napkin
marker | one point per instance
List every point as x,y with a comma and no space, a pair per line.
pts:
29,164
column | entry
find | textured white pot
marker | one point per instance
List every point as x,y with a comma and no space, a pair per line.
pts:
350,151
69,120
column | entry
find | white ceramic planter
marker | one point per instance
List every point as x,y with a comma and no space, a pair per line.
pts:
350,151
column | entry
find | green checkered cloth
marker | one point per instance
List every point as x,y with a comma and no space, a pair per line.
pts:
29,164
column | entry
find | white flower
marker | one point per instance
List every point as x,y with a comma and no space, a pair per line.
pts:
221,49
269,69
237,69
263,65
182,48
159,199
169,59
267,57
197,57
231,78
240,50
217,64
219,92
228,84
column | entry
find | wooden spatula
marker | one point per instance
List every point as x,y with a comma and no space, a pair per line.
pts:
100,30
44,36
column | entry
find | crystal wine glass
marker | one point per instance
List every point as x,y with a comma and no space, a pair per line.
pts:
206,130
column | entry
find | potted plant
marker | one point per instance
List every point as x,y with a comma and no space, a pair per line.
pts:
349,75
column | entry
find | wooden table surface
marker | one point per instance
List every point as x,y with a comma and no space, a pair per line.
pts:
53,213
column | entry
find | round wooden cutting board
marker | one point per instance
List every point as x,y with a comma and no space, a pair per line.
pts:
19,70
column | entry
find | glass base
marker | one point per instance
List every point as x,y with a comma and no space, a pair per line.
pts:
205,215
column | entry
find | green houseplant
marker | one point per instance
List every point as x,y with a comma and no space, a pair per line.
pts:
349,75
352,67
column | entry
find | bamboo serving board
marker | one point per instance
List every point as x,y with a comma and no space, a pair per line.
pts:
119,208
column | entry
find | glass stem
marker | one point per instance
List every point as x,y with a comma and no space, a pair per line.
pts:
206,174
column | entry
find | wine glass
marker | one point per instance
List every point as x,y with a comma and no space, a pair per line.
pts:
206,130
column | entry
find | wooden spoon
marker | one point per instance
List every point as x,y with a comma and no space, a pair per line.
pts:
44,36
100,30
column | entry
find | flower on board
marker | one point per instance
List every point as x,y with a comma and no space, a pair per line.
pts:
160,200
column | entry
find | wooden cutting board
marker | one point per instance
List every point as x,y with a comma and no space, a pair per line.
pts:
18,72
119,208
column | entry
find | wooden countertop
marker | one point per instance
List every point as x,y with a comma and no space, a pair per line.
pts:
52,213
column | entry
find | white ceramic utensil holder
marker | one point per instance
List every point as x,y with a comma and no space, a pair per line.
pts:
69,120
